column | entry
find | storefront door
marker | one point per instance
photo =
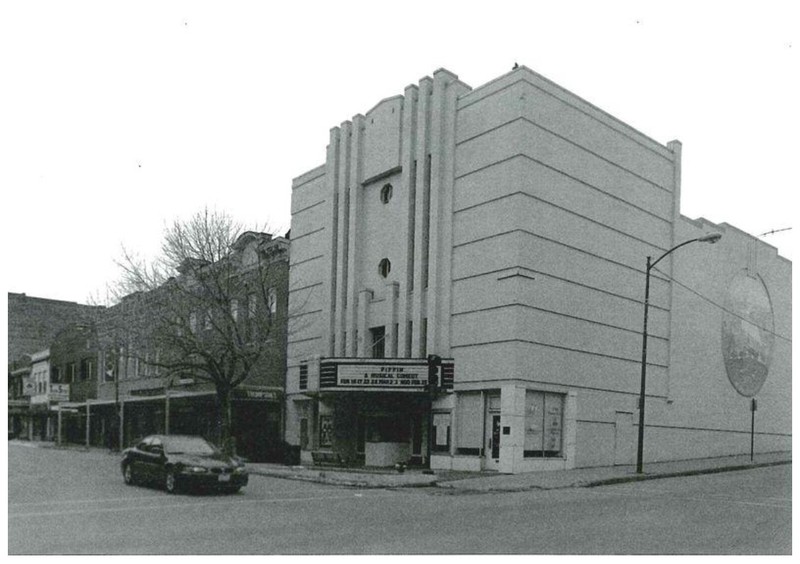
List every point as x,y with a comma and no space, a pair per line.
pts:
492,434
416,439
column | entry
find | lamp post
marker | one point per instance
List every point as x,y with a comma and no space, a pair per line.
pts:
434,363
167,386
710,238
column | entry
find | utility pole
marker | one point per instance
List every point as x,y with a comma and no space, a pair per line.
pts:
434,362
88,422
753,407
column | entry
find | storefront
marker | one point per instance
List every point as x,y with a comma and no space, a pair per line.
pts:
255,419
372,412
140,415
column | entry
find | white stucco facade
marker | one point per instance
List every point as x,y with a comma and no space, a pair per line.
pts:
505,229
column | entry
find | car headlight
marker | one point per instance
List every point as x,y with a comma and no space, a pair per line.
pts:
195,470
239,470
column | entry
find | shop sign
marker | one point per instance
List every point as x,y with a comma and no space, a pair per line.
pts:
147,392
28,387
257,394
59,392
382,376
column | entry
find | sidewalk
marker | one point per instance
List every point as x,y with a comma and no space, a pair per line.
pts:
484,482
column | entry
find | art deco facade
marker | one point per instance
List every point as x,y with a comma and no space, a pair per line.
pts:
505,230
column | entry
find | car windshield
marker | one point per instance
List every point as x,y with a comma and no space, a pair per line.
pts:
187,445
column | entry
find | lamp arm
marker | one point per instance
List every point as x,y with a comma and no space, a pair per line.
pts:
655,262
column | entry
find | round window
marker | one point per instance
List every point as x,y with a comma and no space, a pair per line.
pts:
384,267
386,193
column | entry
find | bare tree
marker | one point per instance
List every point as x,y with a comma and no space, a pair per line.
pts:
207,306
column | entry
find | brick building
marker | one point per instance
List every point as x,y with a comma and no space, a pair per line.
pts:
34,322
33,325
137,385
103,366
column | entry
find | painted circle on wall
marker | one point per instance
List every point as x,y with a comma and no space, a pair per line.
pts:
747,333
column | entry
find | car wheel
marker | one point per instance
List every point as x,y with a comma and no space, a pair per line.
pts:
233,490
170,483
127,474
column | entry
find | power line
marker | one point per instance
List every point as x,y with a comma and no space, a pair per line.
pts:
723,308
774,231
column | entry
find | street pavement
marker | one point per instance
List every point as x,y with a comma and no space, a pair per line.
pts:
72,501
497,482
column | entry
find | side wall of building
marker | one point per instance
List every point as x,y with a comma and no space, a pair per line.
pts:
731,322
34,322
309,289
556,206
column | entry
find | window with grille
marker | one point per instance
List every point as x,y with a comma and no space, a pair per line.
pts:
304,376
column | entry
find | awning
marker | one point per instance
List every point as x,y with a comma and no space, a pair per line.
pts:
135,399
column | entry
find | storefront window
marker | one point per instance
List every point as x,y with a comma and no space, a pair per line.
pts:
543,424
325,430
469,430
441,432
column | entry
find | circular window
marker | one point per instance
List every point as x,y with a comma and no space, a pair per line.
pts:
386,193
384,267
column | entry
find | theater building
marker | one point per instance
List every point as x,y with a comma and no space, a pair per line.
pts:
467,279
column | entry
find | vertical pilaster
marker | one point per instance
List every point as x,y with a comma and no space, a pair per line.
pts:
408,195
362,323
343,238
512,415
392,329
356,195
330,307
442,145
421,224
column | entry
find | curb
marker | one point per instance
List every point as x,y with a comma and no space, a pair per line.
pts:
696,472
322,479
331,481
620,479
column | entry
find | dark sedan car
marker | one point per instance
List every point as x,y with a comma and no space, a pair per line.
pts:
182,461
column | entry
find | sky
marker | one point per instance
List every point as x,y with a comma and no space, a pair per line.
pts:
120,117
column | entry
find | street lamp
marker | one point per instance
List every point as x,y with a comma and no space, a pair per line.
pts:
709,238
167,386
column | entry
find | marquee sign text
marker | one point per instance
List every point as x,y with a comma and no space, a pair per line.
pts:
381,376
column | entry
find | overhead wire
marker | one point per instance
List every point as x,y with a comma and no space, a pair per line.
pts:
723,308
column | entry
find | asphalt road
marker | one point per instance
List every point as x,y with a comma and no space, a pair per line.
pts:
69,502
